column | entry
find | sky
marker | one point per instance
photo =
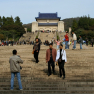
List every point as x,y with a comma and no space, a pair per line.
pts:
27,10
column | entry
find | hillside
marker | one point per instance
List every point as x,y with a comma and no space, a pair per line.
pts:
28,26
68,22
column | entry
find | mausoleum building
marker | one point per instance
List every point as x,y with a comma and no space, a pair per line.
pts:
48,21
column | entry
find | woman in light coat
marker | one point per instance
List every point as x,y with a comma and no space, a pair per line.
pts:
61,54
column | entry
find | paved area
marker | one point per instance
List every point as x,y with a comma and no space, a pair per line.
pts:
79,72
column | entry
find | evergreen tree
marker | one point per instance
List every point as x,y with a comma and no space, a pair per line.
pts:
4,21
11,28
17,21
74,25
0,21
10,20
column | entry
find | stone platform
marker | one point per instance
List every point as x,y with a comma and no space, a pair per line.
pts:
79,72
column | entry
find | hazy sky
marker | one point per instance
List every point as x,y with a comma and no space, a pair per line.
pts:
27,10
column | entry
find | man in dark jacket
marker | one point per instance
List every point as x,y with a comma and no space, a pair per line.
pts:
12,42
92,41
80,41
36,49
50,58
86,42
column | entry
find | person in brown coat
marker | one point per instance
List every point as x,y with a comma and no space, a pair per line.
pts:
50,58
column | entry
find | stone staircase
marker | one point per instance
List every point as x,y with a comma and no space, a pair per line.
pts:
28,36
46,36
79,71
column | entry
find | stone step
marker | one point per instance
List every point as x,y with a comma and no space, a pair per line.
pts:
47,92
73,83
51,88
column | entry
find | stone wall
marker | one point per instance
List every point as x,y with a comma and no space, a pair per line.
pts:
51,28
25,30
61,26
34,26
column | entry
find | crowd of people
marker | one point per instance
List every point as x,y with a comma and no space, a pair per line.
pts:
52,56
66,41
7,43
73,41
11,43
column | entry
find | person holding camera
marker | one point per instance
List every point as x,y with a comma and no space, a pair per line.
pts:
15,69
61,59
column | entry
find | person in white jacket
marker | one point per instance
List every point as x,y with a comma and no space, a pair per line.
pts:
74,40
61,54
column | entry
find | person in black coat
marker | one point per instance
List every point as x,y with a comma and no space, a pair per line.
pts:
36,49
92,41
86,42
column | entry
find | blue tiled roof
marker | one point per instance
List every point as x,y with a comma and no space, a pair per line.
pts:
47,16
47,24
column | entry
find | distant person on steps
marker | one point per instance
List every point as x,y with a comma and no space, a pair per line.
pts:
74,40
36,49
92,41
58,43
66,41
80,42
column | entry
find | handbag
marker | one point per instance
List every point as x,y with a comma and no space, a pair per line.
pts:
69,43
57,63
72,43
33,52
60,59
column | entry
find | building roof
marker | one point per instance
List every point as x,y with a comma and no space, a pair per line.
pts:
47,16
47,24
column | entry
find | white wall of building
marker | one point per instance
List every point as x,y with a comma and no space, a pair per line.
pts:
34,26
51,28
60,26
48,21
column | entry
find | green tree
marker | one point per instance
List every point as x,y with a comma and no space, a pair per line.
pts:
11,28
17,21
4,21
74,25
5,33
84,22
2,37
10,20
0,21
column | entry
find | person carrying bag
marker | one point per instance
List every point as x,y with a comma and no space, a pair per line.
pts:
61,59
